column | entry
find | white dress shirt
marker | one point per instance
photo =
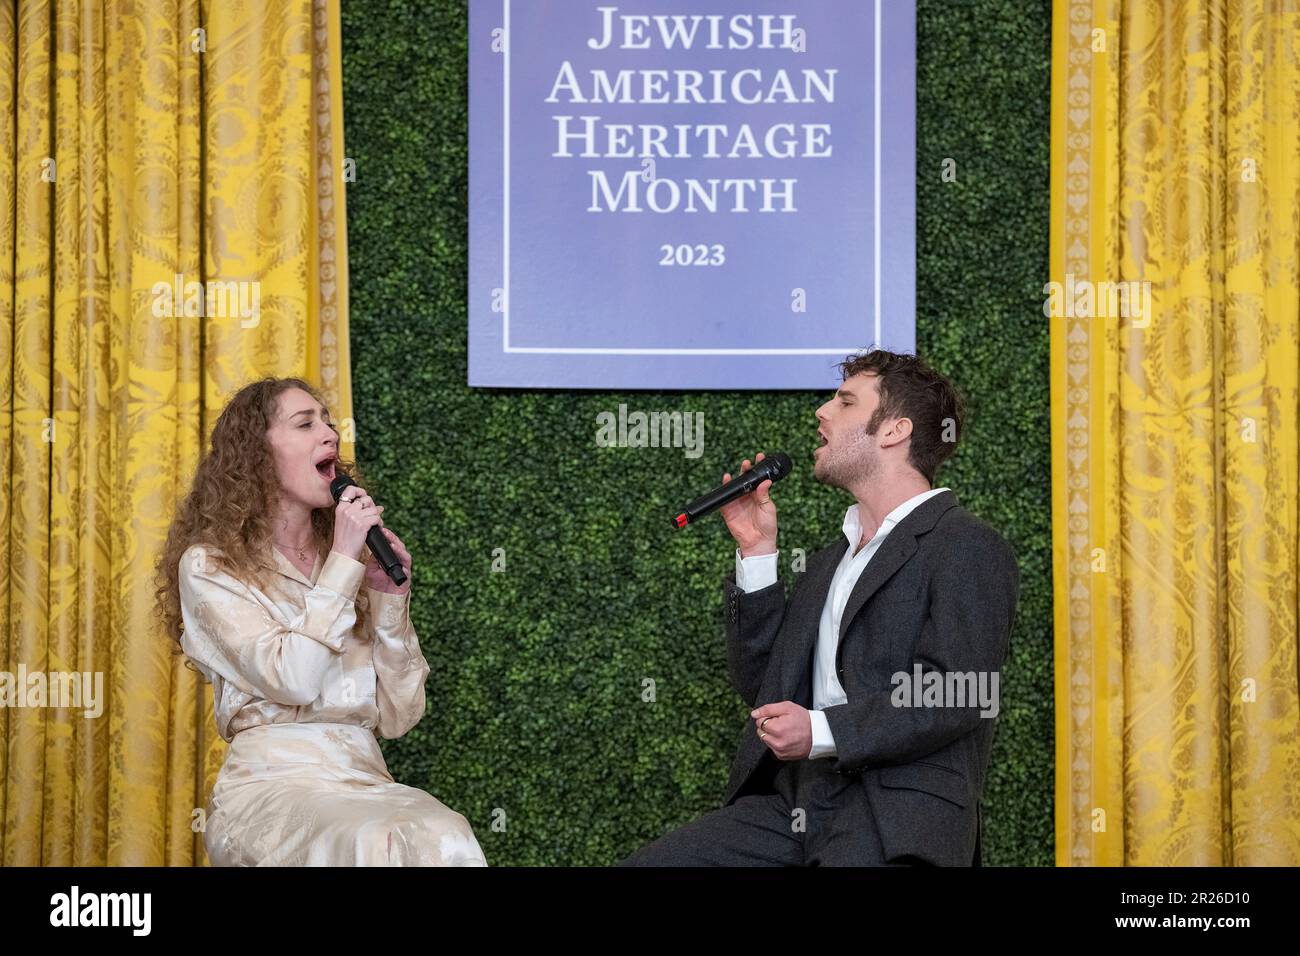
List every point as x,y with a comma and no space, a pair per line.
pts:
759,571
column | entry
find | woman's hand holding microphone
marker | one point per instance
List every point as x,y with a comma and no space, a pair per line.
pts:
354,516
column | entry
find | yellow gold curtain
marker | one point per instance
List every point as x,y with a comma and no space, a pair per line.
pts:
143,145
1176,166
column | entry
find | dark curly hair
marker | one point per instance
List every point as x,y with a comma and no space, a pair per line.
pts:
911,389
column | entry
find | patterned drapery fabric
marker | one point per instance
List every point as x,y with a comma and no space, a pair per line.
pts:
1175,313
171,227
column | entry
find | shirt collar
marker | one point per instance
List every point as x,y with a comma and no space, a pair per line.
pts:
853,526
286,567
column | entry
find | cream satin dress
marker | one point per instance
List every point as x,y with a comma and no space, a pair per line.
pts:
301,696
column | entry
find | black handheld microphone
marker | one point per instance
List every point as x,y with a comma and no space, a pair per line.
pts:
775,467
375,540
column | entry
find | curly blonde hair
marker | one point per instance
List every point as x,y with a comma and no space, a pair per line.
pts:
234,498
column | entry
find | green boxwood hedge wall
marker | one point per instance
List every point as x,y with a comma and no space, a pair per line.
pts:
549,586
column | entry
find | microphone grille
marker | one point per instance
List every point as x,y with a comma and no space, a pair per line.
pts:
781,465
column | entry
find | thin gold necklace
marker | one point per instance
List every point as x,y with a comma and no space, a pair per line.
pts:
302,552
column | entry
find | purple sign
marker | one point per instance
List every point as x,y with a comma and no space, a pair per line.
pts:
712,194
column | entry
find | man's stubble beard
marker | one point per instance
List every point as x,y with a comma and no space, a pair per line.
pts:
855,463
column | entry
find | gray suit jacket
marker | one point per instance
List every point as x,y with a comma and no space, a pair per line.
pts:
940,592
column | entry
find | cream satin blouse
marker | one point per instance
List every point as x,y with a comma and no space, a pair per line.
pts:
289,655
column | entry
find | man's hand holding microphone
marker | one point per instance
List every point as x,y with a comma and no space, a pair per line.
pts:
784,727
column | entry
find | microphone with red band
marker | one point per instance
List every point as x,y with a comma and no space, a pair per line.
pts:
375,539
774,467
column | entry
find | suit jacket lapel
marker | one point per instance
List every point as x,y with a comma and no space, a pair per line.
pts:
897,548
796,656
893,554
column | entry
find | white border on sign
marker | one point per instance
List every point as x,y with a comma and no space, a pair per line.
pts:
505,311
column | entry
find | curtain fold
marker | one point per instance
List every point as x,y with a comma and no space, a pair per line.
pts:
1176,132
144,146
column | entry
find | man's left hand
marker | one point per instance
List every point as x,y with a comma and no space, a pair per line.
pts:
786,728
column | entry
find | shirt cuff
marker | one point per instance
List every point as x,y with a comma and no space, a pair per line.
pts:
390,622
823,742
388,610
755,572
342,574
